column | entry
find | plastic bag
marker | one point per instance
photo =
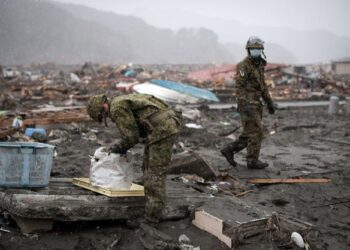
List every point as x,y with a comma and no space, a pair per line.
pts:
111,171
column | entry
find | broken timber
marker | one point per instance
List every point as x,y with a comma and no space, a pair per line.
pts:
56,120
63,201
135,190
55,115
287,181
7,132
234,221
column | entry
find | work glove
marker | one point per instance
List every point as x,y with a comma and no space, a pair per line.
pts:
271,108
117,149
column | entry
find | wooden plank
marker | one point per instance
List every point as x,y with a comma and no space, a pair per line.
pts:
287,181
7,132
64,201
56,120
135,190
56,109
211,224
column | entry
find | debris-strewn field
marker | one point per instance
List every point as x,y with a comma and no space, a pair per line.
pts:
301,143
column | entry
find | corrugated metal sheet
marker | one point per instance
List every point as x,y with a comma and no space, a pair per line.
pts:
216,73
223,72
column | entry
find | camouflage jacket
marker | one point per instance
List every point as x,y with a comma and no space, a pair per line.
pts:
131,113
250,82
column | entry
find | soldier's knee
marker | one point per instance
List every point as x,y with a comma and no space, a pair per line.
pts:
255,137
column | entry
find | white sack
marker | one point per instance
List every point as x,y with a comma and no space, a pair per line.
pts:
111,171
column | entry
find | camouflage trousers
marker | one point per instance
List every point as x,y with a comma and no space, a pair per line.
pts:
156,161
252,135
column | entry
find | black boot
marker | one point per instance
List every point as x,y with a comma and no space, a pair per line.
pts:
257,164
235,147
229,154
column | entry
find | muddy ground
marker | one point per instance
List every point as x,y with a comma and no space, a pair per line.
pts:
297,147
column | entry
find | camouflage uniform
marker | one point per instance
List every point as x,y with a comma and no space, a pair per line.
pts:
139,115
250,88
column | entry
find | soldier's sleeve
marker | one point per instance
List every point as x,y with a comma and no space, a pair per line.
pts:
125,121
265,92
241,81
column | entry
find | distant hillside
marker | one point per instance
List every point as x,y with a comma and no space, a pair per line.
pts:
305,46
40,31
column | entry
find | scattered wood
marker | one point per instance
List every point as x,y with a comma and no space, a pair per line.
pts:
237,225
135,190
244,193
240,231
232,193
56,120
63,201
7,132
287,181
56,109
115,242
4,230
45,116
211,224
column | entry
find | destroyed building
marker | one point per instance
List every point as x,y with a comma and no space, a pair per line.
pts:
61,187
207,200
341,67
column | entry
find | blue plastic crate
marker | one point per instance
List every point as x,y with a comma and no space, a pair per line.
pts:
25,164
30,131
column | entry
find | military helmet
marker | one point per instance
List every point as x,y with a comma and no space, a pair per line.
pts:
254,42
94,106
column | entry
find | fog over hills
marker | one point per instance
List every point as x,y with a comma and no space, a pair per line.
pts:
51,31
41,31
286,44
304,31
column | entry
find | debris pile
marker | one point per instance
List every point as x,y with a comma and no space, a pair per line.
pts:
287,82
281,206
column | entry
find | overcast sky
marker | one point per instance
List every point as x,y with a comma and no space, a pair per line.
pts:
331,15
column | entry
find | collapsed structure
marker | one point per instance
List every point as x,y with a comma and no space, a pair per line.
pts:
229,204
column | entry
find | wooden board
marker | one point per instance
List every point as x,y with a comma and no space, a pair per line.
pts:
57,120
135,190
287,181
212,225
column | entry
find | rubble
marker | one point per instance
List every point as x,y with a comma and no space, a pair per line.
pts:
57,115
236,226
306,141
287,181
287,82
193,163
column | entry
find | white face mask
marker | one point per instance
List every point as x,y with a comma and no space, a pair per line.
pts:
255,52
